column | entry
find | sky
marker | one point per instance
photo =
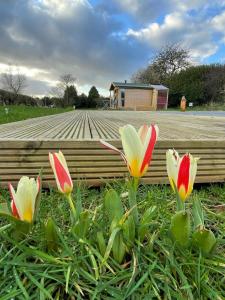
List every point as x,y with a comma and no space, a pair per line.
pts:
100,41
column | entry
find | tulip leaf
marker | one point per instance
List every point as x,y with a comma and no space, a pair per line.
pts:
110,243
82,225
51,235
118,248
204,239
180,228
197,213
145,222
101,242
113,205
129,231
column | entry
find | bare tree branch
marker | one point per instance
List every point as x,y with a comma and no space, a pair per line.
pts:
14,82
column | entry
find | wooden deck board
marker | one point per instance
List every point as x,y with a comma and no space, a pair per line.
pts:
24,145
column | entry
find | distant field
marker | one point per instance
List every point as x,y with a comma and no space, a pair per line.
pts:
22,112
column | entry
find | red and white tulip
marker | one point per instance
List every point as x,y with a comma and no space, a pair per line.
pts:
138,147
24,199
181,172
61,172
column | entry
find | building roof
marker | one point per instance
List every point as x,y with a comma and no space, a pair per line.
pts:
145,86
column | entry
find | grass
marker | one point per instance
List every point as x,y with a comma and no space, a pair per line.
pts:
156,269
23,112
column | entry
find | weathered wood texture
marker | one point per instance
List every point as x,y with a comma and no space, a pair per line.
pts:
24,146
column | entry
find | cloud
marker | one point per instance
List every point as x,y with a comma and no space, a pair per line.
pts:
180,28
218,22
69,38
99,41
149,10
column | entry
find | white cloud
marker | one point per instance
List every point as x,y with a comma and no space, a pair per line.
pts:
218,22
179,28
148,10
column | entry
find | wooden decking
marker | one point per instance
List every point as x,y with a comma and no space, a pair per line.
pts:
24,145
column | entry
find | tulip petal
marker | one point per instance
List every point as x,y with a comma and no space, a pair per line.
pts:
114,149
63,179
142,132
133,148
183,176
172,160
25,198
150,141
13,205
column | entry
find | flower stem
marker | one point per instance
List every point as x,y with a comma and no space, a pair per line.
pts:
180,203
133,186
72,206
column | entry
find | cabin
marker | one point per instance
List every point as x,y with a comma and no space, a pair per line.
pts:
138,96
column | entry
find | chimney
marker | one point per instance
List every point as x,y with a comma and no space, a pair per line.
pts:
125,81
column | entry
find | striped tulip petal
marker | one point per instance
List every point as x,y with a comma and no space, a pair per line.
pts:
149,144
61,172
183,176
181,172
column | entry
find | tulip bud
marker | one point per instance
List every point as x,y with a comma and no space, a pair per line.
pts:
61,172
180,228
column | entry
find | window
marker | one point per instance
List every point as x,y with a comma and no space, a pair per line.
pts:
122,97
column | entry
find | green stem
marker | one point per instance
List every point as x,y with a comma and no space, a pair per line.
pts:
72,206
180,204
133,198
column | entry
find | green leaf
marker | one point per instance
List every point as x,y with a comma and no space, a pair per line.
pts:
101,242
82,225
145,222
180,228
113,205
129,231
51,235
110,243
197,211
204,239
118,248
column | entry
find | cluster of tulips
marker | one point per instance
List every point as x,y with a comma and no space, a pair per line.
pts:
125,227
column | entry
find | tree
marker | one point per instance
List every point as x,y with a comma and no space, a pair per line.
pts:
64,82
70,96
92,96
83,99
199,84
168,61
14,82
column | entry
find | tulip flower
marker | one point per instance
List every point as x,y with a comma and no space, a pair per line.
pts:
181,172
63,178
137,146
23,201
61,172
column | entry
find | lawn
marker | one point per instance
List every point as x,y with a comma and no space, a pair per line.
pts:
23,112
155,269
